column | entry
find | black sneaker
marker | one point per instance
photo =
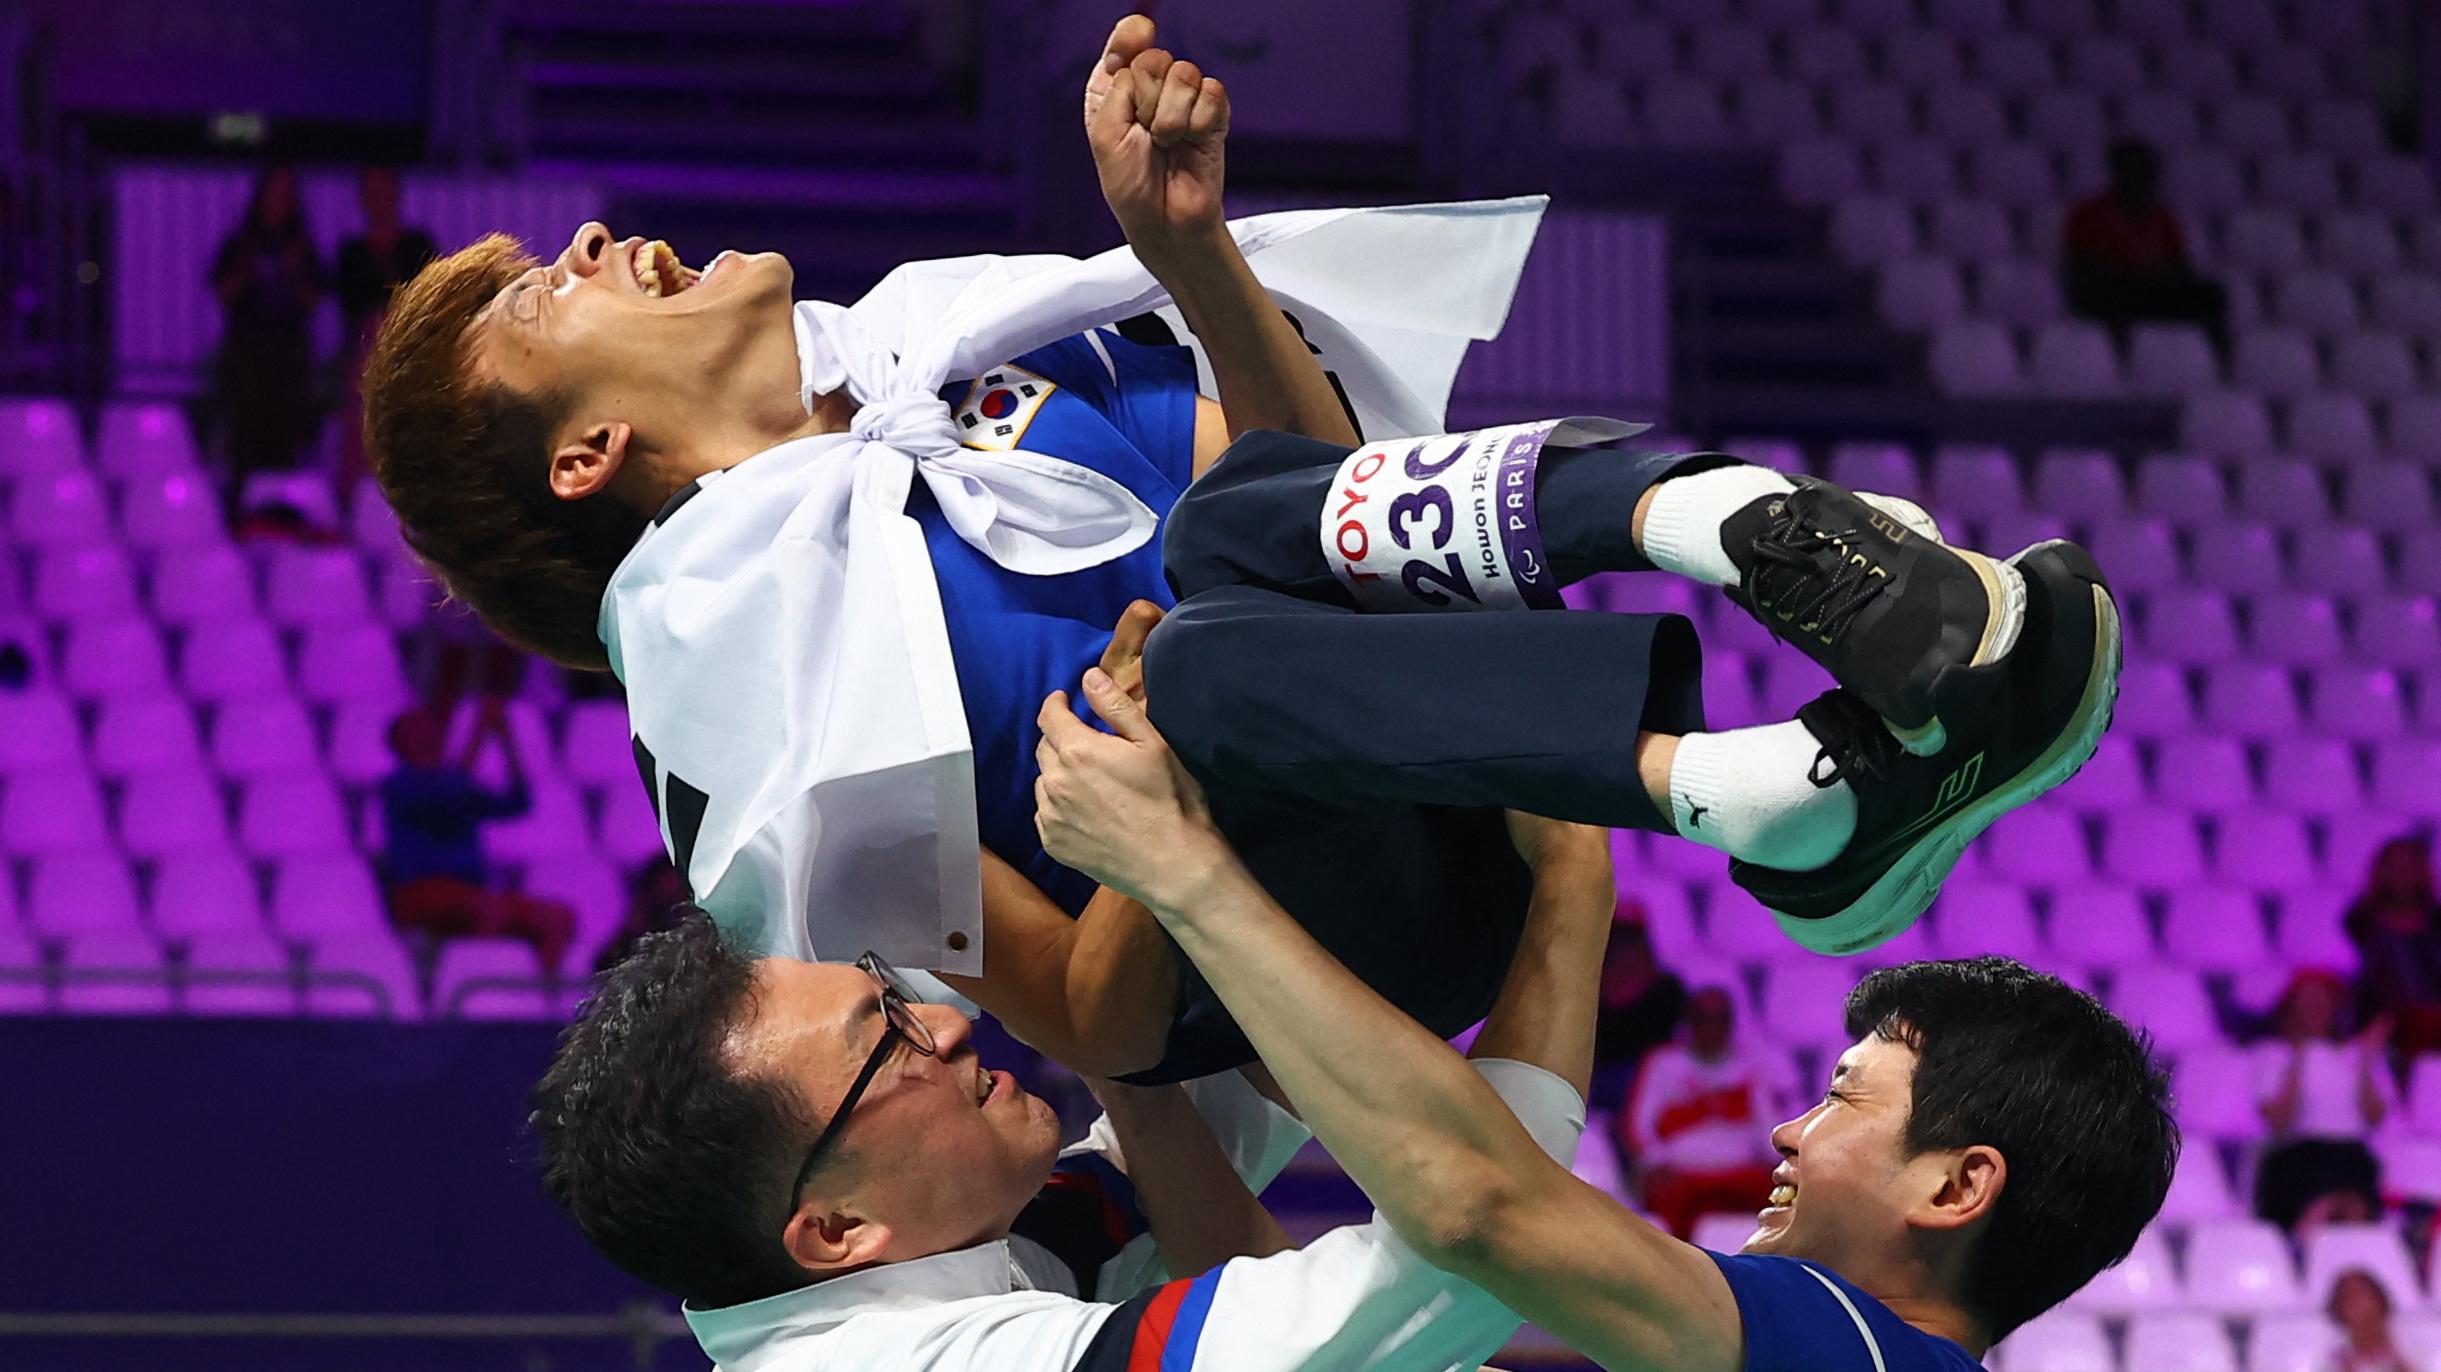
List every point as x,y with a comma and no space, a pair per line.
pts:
1875,597
2039,714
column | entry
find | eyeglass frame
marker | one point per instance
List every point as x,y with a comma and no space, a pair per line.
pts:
899,1024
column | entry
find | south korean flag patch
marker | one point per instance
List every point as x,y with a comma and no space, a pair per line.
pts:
999,406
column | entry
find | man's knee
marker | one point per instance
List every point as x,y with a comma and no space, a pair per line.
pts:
1196,664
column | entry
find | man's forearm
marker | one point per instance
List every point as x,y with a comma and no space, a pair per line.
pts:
1415,1126
1096,992
1268,378
1200,1212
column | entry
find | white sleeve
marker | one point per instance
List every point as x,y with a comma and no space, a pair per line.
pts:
1356,1298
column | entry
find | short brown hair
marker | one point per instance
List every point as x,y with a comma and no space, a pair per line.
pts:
465,462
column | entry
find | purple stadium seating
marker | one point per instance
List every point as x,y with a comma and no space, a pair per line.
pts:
2096,924
2341,560
144,438
2240,1266
315,586
2348,701
341,662
2277,362
73,583
1921,293
361,974
2203,772
1923,59
202,583
173,510
167,812
2170,359
360,740
2397,630
2293,627
2311,775
488,979
113,972
38,434
2199,1189
238,972
2280,491
2249,699
63,509
2261,848
48,812
113,657
38,731
2215,928
204,892
2226,423
2157,848
2156,699
325,896
2379,366
2409,304
554,827
1868,111
2017,175
24,979
144,733
2407,776
69,894
2378,1248
232,659
1826,56
292,816
596,747
2111,778
1872,230
2188,625
2387,495
2145,1280
1770,111
2140,552
2184,1340
264,736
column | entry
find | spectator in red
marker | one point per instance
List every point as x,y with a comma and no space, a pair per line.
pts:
2395,923
1699,1124
2123,256
1641,1004
2360,1306
434,810
2323,1096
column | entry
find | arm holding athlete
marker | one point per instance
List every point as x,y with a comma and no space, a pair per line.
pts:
1449,1167
1158,128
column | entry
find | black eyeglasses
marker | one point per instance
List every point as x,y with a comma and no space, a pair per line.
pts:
900,1024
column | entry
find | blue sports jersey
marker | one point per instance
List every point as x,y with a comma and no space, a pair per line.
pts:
1017,638
1799,1317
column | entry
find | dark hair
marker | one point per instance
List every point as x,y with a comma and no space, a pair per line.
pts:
2016,1060
669,1161
466,464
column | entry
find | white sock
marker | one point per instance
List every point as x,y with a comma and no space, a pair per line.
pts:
1682,532
1748,793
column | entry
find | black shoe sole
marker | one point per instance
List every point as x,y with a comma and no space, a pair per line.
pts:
2076,599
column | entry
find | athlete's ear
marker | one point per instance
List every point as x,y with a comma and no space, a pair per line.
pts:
1966,1185
585,463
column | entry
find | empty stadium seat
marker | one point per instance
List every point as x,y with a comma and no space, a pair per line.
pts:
2304,180
292,815
202,582
72,894
200,892
2058,1341
362,974
1971,480
39,434
2018,63
2379,366
2215,928
1976,359
2141,553
2151,848
1769,112
2179,1341
1872,230
2207,180
2184,488
1981,916
1868,111
2146,1279
2293,1341
84,582
2189,625
113,657
2021,294
1920,58
2074,358
2358,242
1972,231
1917,170
2395,184
2388,495
2249,699
2349,701
2342,560
314,586
2279,491
2261,848
2078,483
2225,423
2293,627
2040,844
117,971
1889,468
2331,428
2113,777
65,508
2109,65
238,972
170,511
321,895
2203,772
2408,304
2407,776
488,979
1921,293
2277,362
2322,302
2311,775
175,811
2172,360
2308,931
629,831
337,662
1803,1001
232,659
2250,124
2018,175
50,812
2398,630
2095,924
1591,111
144,438
2241,1266
265,735
144,733
2066,117
2215,1094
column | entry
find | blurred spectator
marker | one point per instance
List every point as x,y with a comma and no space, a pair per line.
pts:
2360,1306
371,265
1641,1004
657,896
434,811
268,280
2123,255
2396,925
2321,1095
1699,1124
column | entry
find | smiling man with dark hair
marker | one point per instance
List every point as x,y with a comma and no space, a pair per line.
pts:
1991,1140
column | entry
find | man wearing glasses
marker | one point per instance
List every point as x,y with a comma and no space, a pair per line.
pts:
817,1162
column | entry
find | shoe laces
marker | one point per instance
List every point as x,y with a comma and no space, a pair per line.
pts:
1856,744
1789,576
